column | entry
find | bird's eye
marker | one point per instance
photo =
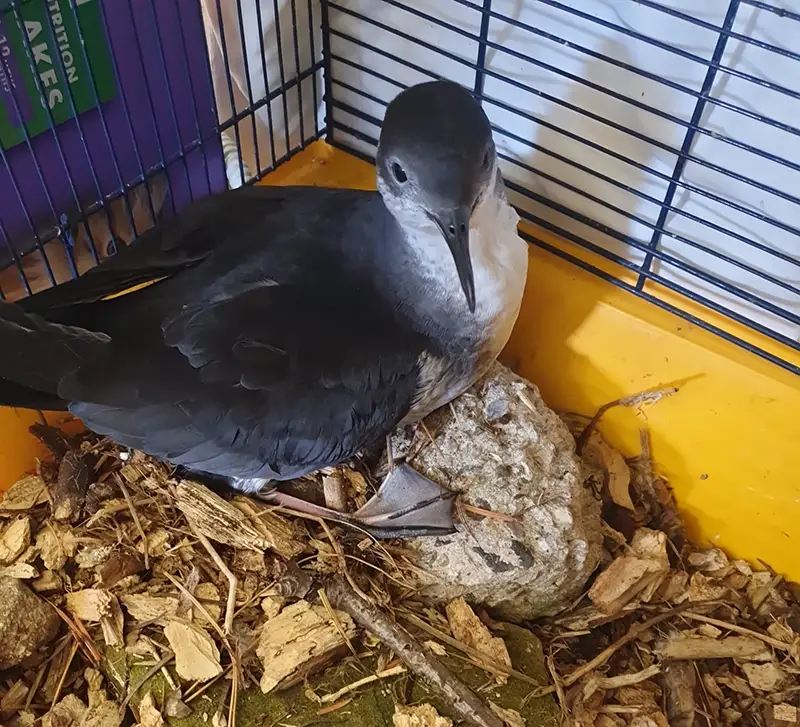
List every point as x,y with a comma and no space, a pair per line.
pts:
486,159
399,173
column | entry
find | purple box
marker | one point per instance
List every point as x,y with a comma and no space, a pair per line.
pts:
162,111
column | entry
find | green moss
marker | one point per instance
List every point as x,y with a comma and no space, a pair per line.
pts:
526,655
371,706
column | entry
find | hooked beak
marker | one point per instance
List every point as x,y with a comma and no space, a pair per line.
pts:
454,225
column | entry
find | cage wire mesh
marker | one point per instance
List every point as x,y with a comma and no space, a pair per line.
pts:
115,114
656,135
657,140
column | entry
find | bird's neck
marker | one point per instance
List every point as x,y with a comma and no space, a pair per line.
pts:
428,283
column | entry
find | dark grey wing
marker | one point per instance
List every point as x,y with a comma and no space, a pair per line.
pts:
291,358
182,243
273,383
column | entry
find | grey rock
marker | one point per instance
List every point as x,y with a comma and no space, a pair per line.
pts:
26,622
507,452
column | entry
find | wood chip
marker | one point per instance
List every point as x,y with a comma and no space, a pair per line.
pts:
679,683
143,607
14,699
764,677
68,491
23,571
272,605
785,713
709,561
470,630
711,686
702,588
248,561
708,630
72,712
69,711
619,477
149,716
15,540
220,521
24,494
99,605
622,680
56,543
158,542
90,604
435,648
121,564
510,717
781,631
285,535
93,555
419,715
334,491
674,586
618,474
196,654
299,641
206,592
357,481
638,574
744,648
737,684
174,706
102,711
644,694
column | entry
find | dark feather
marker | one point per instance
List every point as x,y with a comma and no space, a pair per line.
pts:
268,344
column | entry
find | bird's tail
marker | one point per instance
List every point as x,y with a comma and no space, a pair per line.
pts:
36,355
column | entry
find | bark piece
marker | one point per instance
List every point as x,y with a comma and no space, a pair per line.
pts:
299,641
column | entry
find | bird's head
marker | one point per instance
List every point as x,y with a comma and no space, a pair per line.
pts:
436,162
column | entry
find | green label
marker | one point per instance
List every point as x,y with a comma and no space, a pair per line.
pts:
48,76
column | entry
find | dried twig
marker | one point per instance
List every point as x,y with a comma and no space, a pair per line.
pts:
491,514
234,696
233,581
81,635
112,509
679,684
152,671
333,707
37,682
72,651
476,656
323,597
136,521
559,688
775,643
333,487
458,696
633,633
622,680
644,397
378,675
199,606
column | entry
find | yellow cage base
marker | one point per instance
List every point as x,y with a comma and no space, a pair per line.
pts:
726,441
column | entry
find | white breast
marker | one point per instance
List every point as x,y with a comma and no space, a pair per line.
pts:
500,263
